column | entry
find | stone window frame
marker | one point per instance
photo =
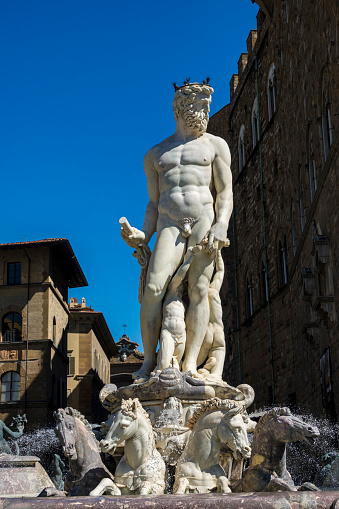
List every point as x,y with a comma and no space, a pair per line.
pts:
312,170
71,368
249,301
326,118
54,330
263,279
287,10
302,210
17,273
255,122
272,92
241,148
12,382
282,260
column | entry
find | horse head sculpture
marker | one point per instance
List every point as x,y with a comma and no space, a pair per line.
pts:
122,425
214,423
66,432
141,470
267,470
81,448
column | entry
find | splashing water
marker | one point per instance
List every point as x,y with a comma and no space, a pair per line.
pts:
38,442
304,461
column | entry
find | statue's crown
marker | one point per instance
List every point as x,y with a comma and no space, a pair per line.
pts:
187,82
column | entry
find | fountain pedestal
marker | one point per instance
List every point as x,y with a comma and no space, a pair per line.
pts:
22,476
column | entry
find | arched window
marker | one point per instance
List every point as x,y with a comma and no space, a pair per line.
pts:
294,239
255,123
282,262
287,10
10,386
327,127
249,296
263,282
302,210
312,169
241,148
272,92
12,327
54,330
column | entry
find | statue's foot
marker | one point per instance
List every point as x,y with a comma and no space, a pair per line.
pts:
142,375
210,377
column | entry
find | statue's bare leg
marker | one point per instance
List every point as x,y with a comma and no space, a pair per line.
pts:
166,351
197,317
218,351
206,345
166,258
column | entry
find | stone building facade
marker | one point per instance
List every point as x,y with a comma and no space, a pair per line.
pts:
281,295
90,346
127,360
34,281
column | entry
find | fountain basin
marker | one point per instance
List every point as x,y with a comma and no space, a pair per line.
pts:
281,500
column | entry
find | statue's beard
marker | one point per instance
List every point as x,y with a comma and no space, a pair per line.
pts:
196,120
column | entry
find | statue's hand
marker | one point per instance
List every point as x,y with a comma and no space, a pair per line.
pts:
191,251
133,237
216,237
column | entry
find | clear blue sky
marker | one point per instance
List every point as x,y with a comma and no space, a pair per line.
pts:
86,90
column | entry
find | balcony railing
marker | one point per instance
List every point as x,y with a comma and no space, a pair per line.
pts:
10,336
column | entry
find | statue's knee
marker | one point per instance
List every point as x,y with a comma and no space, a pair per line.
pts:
153,293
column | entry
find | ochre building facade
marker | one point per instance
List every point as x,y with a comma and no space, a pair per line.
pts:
280,296
34,281
90,346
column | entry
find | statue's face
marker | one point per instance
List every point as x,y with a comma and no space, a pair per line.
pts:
202,103
196,117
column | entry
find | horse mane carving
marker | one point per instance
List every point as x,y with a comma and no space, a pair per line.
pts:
61,413
213,404
130,407
275,412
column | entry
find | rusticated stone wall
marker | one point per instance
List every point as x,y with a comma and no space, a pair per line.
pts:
280,295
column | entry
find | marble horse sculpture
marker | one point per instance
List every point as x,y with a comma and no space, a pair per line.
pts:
214,423
82,450
267,470
141,470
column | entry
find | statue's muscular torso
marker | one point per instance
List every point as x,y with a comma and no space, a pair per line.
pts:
185,177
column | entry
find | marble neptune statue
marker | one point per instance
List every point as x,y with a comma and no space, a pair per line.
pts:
181,172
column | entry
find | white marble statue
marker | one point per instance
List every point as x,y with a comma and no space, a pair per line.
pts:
181,171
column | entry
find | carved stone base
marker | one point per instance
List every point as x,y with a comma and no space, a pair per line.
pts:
22,476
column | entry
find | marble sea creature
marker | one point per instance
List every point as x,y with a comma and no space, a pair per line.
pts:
141,470
57,477
82,450
267,470
215,423
19,422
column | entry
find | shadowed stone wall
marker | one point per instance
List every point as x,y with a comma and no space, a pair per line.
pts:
282,330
